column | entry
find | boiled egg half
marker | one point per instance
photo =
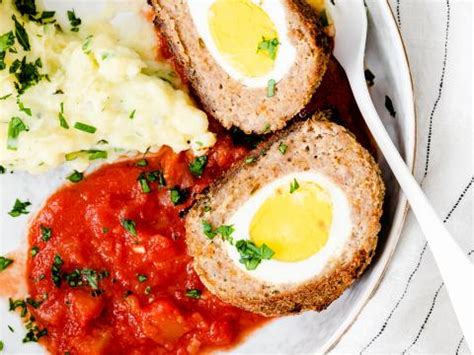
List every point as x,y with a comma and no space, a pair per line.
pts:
247,38
303,217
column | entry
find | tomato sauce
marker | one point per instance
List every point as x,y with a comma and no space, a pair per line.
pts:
128,290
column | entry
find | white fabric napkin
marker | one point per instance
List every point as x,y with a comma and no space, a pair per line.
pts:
411,311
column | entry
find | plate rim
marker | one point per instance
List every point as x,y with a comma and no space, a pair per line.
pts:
402,209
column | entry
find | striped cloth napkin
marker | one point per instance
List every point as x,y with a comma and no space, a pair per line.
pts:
411,311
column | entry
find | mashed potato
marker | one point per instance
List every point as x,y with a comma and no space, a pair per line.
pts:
80,96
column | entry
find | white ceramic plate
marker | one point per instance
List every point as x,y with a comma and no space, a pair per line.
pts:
309,332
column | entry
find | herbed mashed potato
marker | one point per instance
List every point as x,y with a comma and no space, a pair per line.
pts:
80,92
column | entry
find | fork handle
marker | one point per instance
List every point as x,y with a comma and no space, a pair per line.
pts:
454,265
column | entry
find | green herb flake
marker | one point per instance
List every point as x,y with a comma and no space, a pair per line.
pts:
294,186
105,230
85,127
24,109
178,196
249,160
92,154
5,97
282,148
6,41
21,34
271,88
87,45
196,167
19,208
132,114
56,272
207,208
1,345
46,233
143,181
194,293
10,328
34,251
26,74
74,21
156,175
269,46
62,119
130,226
5,262
142,163
76,176
15,127
142,278
208,230
250,255
2,169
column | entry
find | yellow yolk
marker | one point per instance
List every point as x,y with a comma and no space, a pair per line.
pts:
294,225
318,5
237,28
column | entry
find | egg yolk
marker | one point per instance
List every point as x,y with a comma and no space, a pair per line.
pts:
238,28
295,225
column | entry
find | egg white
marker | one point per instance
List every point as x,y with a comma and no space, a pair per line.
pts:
285,58
280,272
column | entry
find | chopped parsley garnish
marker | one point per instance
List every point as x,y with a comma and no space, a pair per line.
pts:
15,127
132,114
369,77
294,186
92,154
142,278
208,230
56,273
194,293
271,88
76,176
143,181
34,251
1,345
5,97
19,208
251,255
11,329
33,303
282,148
6,41
207,208
2,169
156,175
5,262
269,46
74,21
389,106
196,167
26,74
224,230
26,7
22,108
14,304
45,233
142,163
34,333
84,277
85,127
178,195
62,120
21,34
249,160
266,128
130,226
87,45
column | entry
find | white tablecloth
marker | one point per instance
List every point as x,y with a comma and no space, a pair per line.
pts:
411,311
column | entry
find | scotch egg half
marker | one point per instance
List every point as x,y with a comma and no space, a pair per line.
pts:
247,38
